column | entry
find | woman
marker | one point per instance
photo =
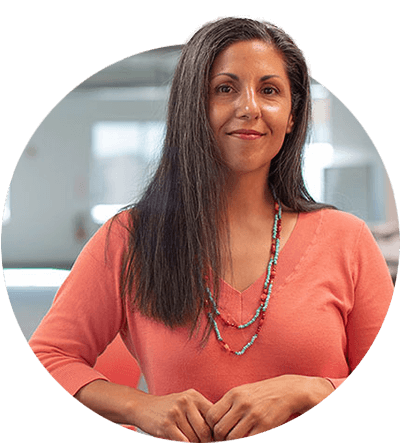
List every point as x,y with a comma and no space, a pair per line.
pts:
244,301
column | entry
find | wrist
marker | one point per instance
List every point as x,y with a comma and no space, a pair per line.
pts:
314,390
135,407
120,404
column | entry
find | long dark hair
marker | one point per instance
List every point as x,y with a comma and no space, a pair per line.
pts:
174,235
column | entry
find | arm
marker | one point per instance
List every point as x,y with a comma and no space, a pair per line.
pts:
257,407
254,408
111,401
178,417
85,317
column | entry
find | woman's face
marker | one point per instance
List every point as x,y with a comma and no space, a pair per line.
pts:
249,104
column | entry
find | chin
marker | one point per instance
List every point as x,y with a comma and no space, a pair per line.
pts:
246,161
249,168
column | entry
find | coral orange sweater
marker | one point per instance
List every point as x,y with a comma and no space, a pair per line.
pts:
330,297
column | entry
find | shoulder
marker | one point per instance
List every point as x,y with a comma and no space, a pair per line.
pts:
345,231
119,225
340,220
335,229
333,220
111,238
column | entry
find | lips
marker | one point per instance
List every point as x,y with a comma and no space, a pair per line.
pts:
246,134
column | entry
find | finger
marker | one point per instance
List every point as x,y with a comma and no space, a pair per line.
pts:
196,415
224,426
186,429
240,430
203,405
255,430
221,418
177,435
217,412
199,425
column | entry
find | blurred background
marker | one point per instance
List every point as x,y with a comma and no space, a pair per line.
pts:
95,150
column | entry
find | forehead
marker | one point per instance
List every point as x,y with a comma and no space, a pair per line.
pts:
250,55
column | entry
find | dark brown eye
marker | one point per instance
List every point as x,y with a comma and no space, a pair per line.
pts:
225,89
269,90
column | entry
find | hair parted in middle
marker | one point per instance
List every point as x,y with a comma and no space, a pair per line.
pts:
178,227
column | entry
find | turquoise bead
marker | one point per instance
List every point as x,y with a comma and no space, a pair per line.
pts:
273,261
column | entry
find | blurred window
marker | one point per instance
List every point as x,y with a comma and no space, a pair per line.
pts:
124,155
319,151
345,173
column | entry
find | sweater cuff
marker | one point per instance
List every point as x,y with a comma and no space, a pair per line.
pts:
336,382
74,376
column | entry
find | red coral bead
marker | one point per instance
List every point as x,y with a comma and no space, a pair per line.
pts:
273,273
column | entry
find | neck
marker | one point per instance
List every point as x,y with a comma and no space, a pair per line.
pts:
248,196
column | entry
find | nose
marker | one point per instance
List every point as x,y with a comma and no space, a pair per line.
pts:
248,106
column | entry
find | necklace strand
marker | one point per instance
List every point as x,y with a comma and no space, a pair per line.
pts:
265,297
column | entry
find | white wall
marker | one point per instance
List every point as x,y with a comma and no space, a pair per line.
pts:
49,191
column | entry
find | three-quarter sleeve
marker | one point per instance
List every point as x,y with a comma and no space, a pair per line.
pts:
373,290
324,316
86,314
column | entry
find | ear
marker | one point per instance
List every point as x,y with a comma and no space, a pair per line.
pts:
290,124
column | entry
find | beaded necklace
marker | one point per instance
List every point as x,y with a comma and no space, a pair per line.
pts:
265,297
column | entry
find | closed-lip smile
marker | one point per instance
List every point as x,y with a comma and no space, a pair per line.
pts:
246,134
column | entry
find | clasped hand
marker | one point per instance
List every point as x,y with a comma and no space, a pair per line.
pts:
243,411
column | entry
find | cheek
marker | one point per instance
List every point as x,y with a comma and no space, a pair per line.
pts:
216,118
211,114
278,120
277,114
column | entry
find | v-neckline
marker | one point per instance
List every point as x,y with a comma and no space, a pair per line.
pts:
258,282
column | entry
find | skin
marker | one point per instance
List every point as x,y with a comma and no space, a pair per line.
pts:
249,90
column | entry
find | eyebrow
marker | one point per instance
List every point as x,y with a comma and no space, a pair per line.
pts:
235,77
